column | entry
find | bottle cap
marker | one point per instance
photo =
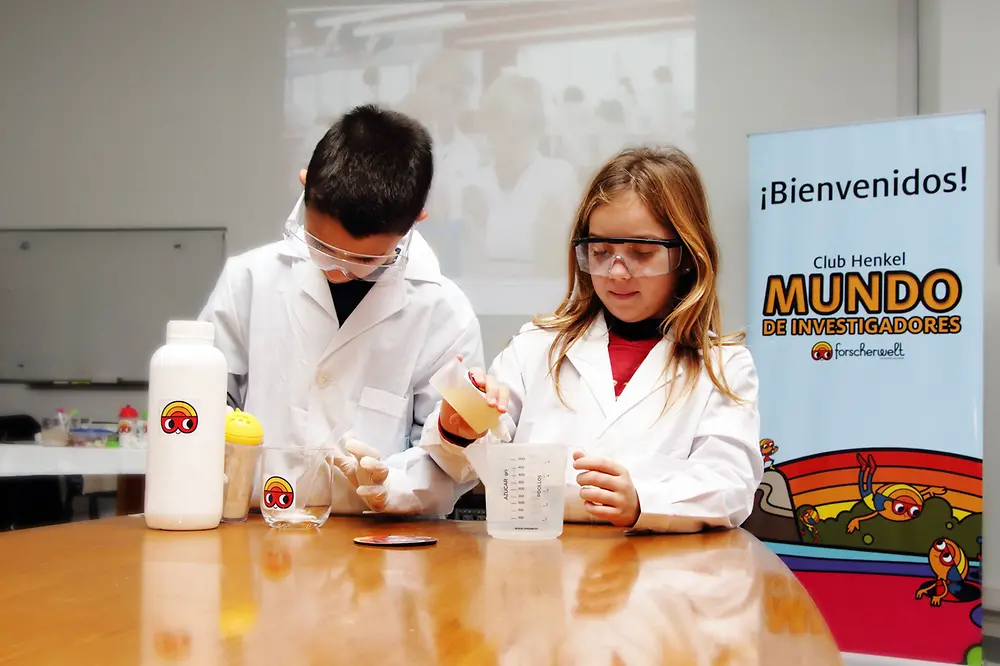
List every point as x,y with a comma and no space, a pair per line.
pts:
243,428
191,330
128,412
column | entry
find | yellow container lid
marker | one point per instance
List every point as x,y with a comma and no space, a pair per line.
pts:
243,428
237,621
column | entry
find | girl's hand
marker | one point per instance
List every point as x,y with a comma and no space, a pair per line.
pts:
497,396
607,490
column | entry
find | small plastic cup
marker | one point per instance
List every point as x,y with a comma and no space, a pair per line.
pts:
296,487
244,436
454,382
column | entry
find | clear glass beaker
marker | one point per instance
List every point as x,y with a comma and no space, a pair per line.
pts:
296,484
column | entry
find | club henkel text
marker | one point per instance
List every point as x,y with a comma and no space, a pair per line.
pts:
859,261
792,191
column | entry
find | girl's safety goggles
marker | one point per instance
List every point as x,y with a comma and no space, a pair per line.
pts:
356,266
641,257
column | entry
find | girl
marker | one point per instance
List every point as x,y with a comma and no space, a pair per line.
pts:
660,408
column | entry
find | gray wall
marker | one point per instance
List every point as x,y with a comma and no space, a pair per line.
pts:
126,113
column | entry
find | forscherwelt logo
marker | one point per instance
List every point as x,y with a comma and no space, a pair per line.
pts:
824,351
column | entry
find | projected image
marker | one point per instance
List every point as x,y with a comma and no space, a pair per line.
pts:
524,100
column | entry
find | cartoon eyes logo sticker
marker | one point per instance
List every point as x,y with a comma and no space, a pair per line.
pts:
278,493
822,351
178,417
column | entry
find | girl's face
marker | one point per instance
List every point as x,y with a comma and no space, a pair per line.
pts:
630,298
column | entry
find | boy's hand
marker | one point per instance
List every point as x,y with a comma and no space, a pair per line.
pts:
497,396
607,490
365,472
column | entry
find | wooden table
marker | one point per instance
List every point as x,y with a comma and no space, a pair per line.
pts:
113,592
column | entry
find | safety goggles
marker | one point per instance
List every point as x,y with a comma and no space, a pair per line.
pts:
370,268
641,257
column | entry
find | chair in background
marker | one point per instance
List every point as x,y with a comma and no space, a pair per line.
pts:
28,501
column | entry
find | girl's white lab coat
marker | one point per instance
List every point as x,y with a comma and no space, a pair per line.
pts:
306,377
697,465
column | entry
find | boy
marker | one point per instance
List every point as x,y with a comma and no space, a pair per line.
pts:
340,326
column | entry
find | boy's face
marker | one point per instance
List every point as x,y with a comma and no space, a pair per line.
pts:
331,232
358,253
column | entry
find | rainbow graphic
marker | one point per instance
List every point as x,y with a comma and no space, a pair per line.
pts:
829,481
872,526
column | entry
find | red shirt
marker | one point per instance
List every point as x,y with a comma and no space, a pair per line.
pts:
626,357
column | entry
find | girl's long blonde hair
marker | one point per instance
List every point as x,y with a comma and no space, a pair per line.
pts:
668,184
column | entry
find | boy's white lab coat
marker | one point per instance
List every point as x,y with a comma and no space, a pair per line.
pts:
307,379
697,465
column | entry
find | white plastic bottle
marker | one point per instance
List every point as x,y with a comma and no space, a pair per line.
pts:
185,459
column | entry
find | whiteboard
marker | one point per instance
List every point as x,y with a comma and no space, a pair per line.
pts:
93,304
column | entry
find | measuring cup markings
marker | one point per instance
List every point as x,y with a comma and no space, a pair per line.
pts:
524,490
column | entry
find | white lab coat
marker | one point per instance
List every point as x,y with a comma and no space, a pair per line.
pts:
307,378
698,465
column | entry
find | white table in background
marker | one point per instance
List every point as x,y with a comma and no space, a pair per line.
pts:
38,460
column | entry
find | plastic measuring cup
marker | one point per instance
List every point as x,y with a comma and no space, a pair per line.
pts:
525,488
454,382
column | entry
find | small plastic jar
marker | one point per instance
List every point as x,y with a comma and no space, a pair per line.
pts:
244,436
128,427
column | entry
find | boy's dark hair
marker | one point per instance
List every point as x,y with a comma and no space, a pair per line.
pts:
371,172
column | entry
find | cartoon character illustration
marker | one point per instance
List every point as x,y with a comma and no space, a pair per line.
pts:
767,449
976,616
893,501
278,493
179,417
808,523
951,567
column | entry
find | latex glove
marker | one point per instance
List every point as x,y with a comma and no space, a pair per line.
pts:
365,472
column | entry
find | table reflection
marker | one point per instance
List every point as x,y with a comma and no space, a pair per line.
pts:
181,598
251,595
